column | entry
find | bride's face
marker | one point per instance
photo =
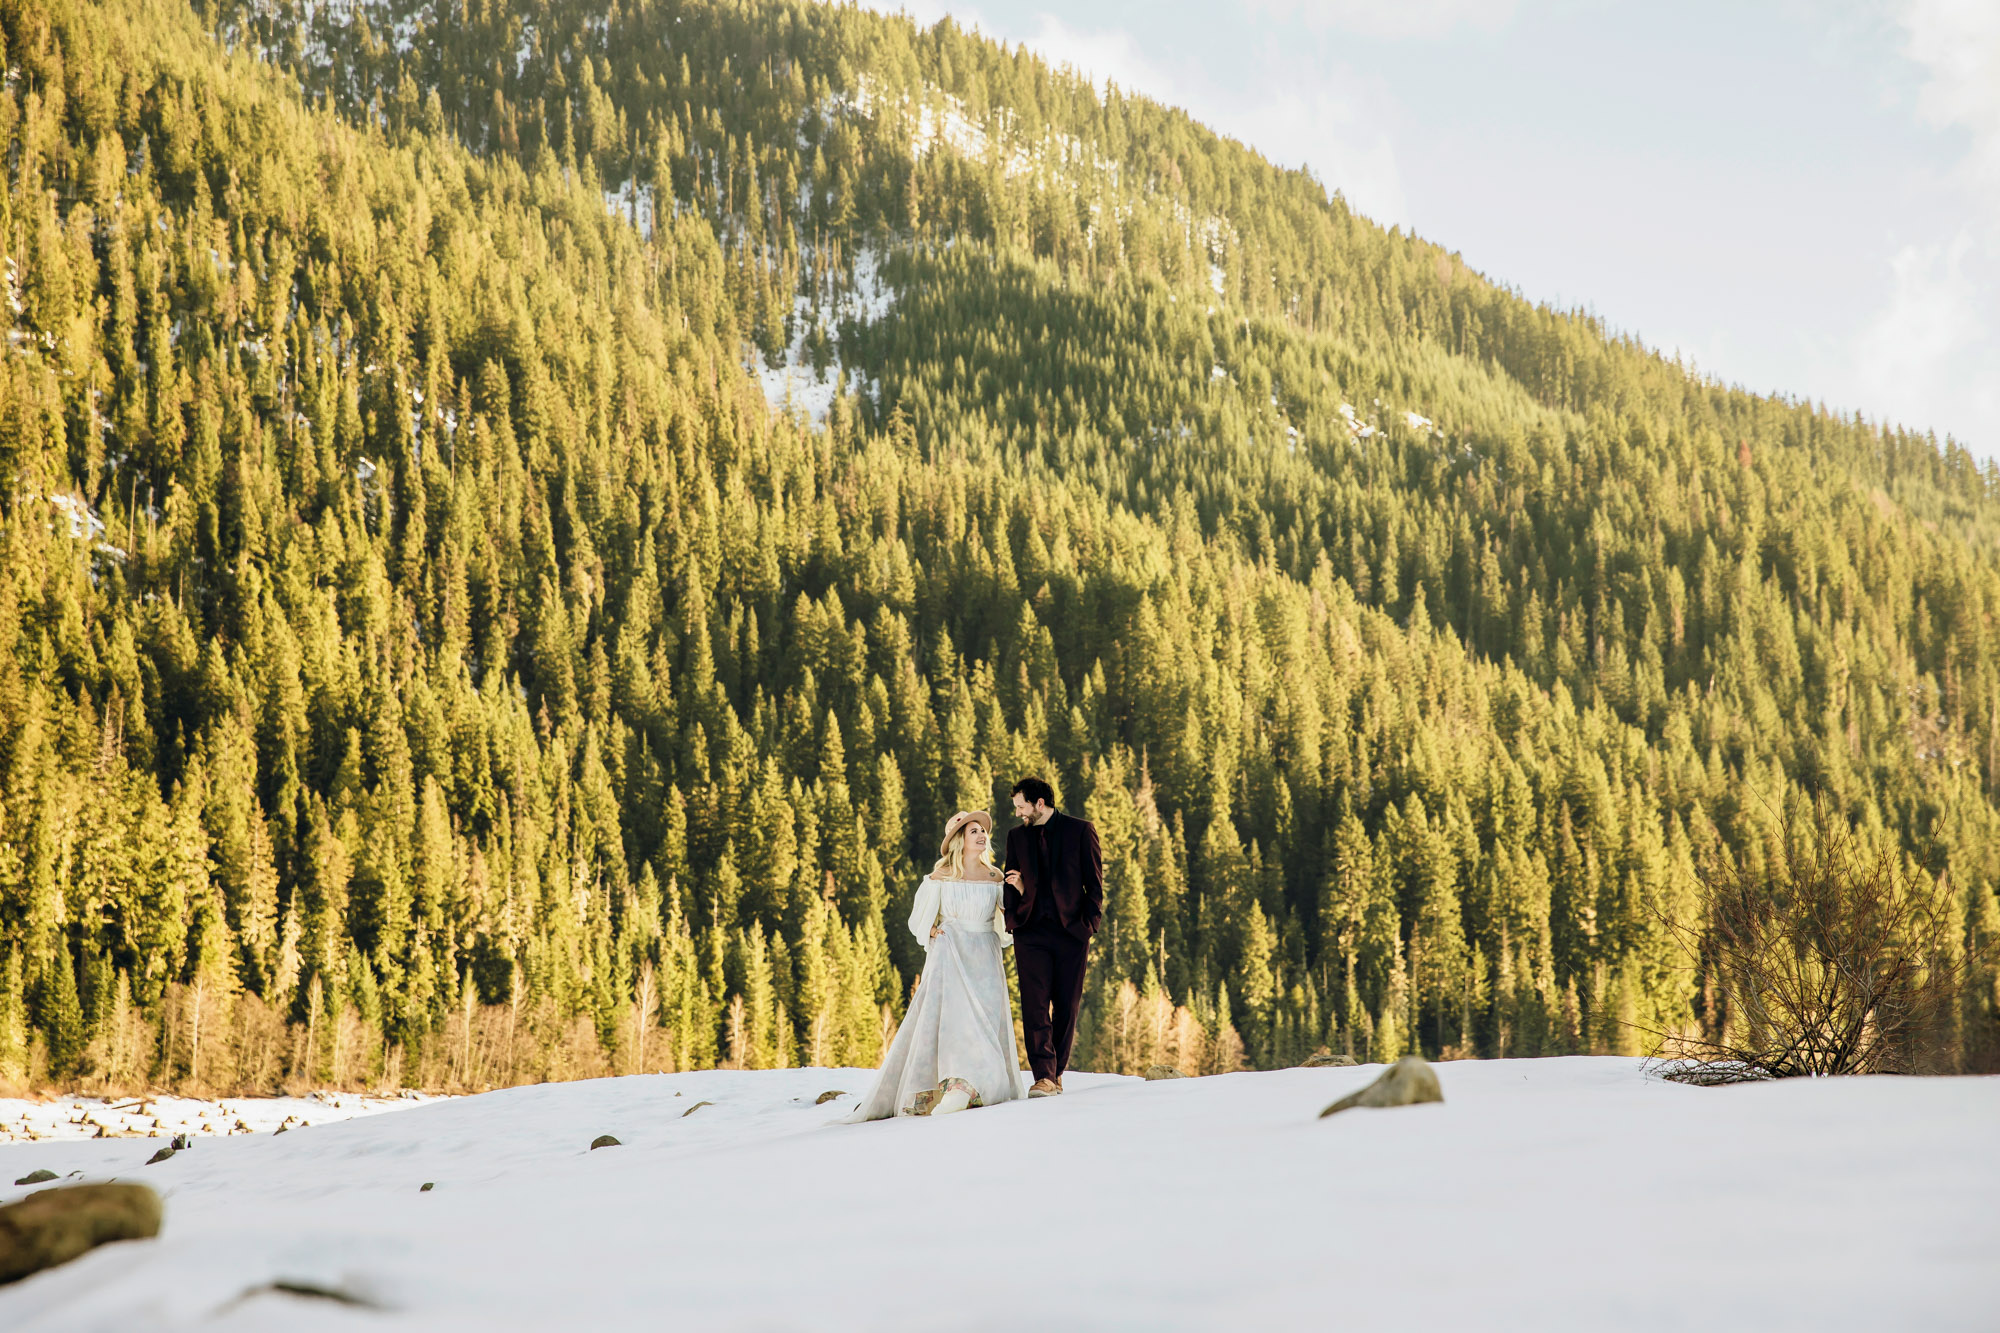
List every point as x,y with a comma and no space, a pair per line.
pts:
975,842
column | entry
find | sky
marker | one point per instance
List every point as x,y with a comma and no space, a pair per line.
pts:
1800,198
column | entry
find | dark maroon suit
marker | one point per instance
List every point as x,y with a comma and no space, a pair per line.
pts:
1052,916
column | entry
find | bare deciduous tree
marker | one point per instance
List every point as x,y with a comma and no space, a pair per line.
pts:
1835,959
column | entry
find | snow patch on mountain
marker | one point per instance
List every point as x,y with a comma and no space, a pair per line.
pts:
1356,427
950,126
406,25
633,201
936,119
794,385
81,520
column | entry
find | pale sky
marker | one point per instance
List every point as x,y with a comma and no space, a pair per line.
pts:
1797,197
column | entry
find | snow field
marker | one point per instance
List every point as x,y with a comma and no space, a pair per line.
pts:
68,1118
1552,1194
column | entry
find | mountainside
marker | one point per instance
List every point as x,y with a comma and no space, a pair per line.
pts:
431,659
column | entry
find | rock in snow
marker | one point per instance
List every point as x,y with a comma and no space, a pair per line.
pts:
1154,1073
36,1177
1406,1083
55,1226
1324,1059
604,1141
1562,1194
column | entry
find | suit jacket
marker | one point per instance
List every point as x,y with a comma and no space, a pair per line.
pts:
1075,878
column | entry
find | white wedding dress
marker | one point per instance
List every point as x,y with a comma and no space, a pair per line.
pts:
959,1025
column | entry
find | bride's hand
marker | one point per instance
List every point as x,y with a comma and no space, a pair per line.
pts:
936,931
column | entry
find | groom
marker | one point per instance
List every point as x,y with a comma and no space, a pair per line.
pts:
1054,899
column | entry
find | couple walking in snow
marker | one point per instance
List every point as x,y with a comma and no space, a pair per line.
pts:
956,1046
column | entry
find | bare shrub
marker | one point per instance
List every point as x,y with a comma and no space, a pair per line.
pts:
1835,959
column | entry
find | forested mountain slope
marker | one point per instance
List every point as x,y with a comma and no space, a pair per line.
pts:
430,658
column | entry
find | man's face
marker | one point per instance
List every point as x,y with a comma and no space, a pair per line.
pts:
1022,810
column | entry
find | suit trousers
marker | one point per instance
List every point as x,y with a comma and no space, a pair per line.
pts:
1050,965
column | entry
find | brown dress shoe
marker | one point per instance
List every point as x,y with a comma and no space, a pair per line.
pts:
1045,1087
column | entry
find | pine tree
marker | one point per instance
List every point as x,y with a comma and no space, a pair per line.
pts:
62,1020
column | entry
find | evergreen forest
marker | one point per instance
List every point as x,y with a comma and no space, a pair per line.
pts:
520,521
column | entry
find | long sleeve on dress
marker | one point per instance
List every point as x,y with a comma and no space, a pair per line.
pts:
924,911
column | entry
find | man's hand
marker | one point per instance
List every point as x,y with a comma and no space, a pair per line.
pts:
1014,880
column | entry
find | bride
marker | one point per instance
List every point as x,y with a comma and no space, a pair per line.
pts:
956,1046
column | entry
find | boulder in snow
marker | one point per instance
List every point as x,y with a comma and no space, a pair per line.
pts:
160,1156
1325,1059
604,1141
36,1177
826,1097
1157,1072
55,1226
1409,1081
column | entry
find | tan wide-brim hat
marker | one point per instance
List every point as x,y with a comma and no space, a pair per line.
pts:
959,821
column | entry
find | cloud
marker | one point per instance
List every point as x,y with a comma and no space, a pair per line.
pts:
1920,353
1102,55
1929,357
1957,43
1389,18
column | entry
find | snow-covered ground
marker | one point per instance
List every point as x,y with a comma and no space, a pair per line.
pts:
67,1118
1553,1194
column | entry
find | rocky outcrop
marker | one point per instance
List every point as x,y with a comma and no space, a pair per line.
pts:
55,1226
1406,1083
1325,1059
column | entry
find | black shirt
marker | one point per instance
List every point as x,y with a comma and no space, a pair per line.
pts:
1044,912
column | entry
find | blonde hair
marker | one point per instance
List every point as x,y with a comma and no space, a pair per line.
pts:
952,864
